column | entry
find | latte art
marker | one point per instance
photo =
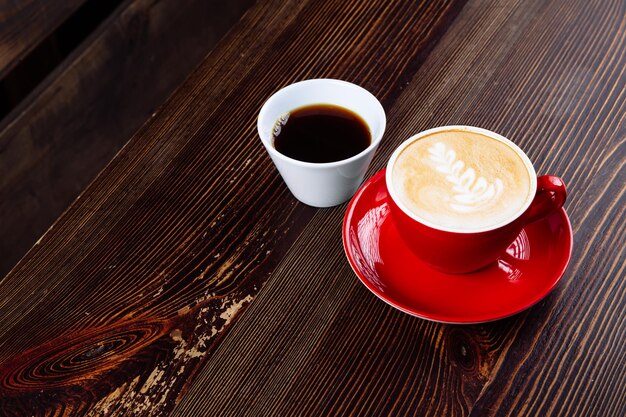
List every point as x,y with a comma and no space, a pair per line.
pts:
462,180
469,192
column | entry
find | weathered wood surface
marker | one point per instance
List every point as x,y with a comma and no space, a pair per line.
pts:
57,141
135,301
316,342
25,23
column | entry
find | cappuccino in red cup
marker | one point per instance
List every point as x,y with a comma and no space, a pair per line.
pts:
462,180
460,195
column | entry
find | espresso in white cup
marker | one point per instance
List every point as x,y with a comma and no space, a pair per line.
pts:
323,184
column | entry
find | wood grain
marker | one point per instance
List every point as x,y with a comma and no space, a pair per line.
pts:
55,143
551,77
133,287
23,24
132,303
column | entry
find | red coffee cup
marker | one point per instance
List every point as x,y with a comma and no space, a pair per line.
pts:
463,248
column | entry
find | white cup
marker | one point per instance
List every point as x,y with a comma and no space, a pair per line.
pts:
331,183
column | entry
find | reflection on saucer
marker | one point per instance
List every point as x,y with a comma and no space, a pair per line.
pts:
520,248
512,273
369,247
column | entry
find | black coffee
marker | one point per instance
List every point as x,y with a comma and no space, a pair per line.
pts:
321,133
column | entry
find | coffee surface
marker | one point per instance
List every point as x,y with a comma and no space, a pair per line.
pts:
321,133
461,180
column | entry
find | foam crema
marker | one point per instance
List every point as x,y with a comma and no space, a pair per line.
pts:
462,180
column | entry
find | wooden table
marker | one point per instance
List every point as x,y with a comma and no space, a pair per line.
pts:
186,279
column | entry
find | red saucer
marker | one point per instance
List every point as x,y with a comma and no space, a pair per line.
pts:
526,273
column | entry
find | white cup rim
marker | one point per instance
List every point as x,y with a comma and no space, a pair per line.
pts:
395,197
375,140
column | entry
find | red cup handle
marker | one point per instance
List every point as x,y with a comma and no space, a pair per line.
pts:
550,196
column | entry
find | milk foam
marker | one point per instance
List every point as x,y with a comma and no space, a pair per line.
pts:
461,180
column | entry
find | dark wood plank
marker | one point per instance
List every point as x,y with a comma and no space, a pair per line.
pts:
25,74
25,23
551,77
137,282
53,145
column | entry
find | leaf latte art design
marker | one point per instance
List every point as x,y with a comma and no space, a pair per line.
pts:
469,192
